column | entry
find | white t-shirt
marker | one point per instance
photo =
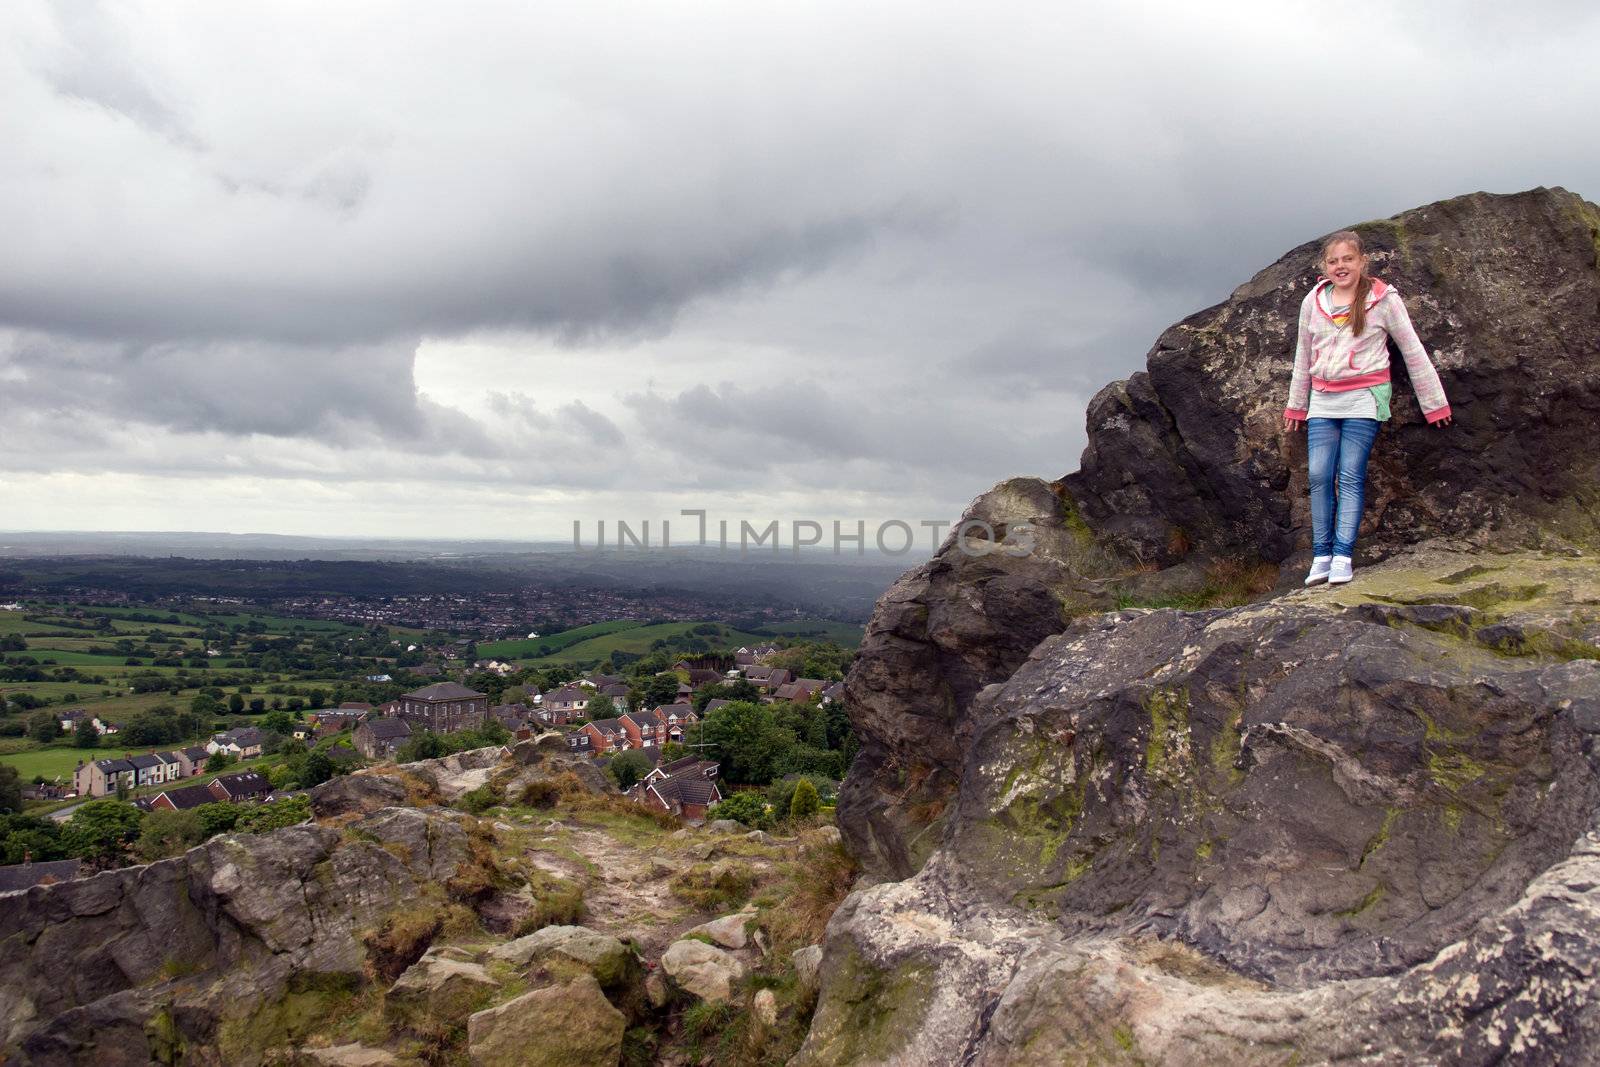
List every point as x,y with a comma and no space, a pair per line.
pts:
1349,404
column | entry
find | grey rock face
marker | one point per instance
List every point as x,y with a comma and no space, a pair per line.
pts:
1336,822
1187,463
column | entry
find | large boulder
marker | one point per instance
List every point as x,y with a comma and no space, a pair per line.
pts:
1363,818
569,1025
356,794
1187,469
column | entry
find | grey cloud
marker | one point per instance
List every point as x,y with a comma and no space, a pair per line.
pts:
906,243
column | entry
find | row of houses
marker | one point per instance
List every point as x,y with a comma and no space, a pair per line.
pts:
644,728
105,777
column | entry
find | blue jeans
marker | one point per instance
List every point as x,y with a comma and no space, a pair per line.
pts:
1338,451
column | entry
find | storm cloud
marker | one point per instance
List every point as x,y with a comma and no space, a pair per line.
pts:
479,271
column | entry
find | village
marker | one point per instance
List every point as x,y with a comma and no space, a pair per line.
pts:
591,712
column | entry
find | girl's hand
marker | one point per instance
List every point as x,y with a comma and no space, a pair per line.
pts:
1445,421
1291,425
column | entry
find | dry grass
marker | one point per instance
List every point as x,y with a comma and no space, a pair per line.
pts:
817,884
401,941
714,886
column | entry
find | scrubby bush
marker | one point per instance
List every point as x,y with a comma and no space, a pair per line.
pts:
748,808
805,803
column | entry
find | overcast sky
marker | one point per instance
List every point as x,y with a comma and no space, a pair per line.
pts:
480,270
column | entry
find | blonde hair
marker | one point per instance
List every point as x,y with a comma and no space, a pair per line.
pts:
1358,303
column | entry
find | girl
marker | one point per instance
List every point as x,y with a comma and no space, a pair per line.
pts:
1342,361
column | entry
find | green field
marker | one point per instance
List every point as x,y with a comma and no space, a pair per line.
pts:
51,762
636,639
530,646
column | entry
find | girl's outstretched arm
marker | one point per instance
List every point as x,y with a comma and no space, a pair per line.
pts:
1424,378
1294,414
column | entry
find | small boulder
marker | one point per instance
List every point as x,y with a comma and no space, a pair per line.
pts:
610,961
351,1056
828,836
704,970
730,931
439,987
656,990
807,965
765,1007
569,1025
724,826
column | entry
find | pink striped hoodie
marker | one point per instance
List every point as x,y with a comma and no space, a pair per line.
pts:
1331,358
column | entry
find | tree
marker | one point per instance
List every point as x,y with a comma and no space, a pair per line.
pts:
28,837
280,722
749,742
167,833
84,735
315,769
258,705
100,831
10,788
627,768
235,704
806,803
658,689
217,818
218,761
44,726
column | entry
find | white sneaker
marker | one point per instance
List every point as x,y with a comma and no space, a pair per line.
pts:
1319,569
1341,571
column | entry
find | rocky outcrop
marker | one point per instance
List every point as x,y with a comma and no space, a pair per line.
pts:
1357,825
194,940
1188,470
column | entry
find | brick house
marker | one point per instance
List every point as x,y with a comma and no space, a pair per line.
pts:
444,708
801,690
687,794
676,718
606,735
644,727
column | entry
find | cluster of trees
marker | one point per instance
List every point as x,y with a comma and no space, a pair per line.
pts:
759,743
796,799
